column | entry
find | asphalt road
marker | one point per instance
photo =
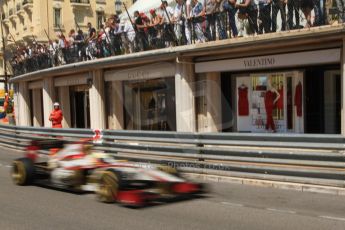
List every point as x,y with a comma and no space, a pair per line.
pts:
228,206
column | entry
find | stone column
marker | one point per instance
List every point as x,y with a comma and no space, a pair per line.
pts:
97,105
116,116
184,94
48,99
37,107
23,113
64,99
213,102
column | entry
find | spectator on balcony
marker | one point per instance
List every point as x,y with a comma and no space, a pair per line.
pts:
140,36
106,42
197,18
278,5
187,23
72,49
307,6
53,46
248,10
129,37
80,44
210,10
91,49
168,30
61,49
177,20
229,7
341,10
319,13
293,8
157,28
117,32
264,16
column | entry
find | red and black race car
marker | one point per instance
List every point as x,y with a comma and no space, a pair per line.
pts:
78,167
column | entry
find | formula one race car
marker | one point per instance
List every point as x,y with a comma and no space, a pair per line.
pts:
77,167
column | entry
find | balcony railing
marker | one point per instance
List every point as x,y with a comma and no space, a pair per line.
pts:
27,2
81,1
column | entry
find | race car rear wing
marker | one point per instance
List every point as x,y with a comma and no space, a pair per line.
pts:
46,144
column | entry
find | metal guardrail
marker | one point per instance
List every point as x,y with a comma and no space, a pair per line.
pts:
301,158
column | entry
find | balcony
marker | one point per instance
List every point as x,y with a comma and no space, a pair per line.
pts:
80,3
101,2
28,5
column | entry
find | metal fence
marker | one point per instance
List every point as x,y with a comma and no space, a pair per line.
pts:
312,159
224,21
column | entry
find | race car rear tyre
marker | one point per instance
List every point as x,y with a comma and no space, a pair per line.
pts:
109,184
23,171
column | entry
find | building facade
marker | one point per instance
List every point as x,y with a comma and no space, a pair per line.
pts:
28,21
286,82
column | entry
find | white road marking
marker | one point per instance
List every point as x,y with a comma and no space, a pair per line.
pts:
333,218
8,166
280,210
232,204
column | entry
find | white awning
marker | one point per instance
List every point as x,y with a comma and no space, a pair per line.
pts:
143,6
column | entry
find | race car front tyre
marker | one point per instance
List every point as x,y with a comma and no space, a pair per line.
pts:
23,171
108,186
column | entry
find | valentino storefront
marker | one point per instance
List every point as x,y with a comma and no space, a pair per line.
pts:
284,93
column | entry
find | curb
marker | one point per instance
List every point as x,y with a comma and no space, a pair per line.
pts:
269,184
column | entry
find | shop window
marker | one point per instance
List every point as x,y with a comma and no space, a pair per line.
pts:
270,102
150,105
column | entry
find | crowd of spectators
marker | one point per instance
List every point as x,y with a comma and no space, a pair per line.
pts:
184,22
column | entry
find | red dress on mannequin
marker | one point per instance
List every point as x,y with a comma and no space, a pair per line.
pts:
269,105
243,104
298,99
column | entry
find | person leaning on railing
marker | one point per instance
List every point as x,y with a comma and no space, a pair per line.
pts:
197,18
230,7
341,9
293,9
264,16
248,10
156,29
141,42
278,6
210,10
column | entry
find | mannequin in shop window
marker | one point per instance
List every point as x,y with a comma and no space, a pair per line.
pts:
271,97
298,99
162,113
151,113
280,102
243,104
